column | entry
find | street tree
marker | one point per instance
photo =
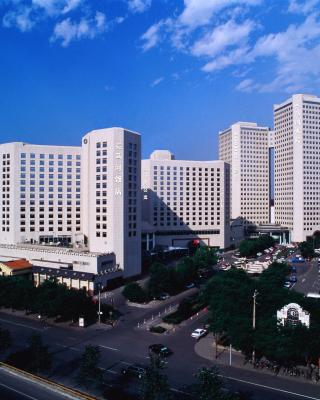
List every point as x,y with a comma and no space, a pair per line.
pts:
209,385
40,359
155,385
5,340
89,373
135,293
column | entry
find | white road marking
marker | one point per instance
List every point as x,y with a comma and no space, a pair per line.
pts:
68,347
124,362
18,391
303,280
108,348
270,388
18,324
112,371
180,391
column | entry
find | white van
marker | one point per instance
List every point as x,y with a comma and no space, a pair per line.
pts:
314,295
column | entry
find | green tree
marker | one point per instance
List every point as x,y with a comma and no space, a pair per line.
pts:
307,248
209,385
5,340
134,292
162,279
39,357
89,373
155,384
205,257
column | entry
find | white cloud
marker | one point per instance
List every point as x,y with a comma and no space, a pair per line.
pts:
247,85
157,81
68,30
200,12
21,19
53,7
302,7
222,37
139,6
296,52
153,35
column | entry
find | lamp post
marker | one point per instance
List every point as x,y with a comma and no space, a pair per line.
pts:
99,302
255,294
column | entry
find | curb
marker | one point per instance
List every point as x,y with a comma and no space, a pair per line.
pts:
56,387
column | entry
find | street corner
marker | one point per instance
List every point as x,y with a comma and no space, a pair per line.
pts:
204,347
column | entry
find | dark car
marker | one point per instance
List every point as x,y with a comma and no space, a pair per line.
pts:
135,370
160,350
293,268
293,279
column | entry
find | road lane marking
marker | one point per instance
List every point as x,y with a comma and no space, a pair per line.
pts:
68,347
18,391
19,324
303,280
108,348
124,362
270,388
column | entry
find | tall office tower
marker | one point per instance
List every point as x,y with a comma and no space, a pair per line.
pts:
245,146
297,152
111,201
186,200
40,194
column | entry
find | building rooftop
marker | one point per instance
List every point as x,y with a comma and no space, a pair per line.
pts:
18,264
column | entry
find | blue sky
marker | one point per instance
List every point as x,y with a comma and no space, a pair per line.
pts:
177,71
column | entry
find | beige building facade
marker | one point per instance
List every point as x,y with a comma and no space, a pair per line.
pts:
184,200
297,152
245,146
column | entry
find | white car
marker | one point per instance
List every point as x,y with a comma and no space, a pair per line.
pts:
199,333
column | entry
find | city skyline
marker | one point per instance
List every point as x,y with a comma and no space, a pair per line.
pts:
63,78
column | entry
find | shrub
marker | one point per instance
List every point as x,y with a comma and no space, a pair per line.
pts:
157,329
135,293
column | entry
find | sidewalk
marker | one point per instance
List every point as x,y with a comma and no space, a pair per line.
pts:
206,348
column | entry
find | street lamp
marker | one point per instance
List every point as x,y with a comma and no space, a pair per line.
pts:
99,285
255,294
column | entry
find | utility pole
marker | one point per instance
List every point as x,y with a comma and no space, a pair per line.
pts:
255,294
99,299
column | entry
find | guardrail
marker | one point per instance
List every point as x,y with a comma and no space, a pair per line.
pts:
76,394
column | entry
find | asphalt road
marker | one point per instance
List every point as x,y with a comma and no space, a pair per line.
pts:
308,277
13,387
126,344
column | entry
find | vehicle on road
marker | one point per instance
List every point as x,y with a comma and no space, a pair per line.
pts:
259,254
293,268
163,296
293,279
314,295
199,333
135,370
190,285
160,350
287,285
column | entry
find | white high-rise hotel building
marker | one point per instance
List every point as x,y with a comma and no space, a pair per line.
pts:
245,146
186,200
297,154
86,196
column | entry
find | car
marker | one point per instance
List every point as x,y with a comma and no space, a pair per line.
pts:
259,254
163,296
287,285
293,278
135,370
160,350
293,268
199,333
190,285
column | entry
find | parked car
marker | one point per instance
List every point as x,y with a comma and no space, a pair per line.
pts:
160,350
135,370
287,285
163,296
259,254
199,333
293,278
190,285
293,268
